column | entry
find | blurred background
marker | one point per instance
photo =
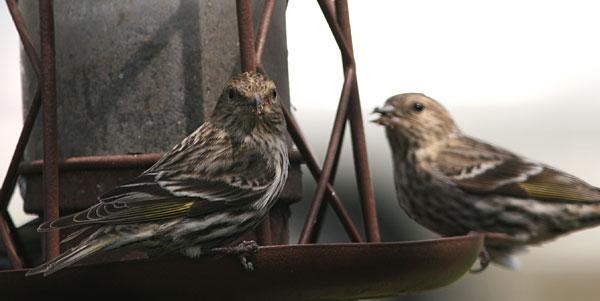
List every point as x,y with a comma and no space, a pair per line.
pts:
521,74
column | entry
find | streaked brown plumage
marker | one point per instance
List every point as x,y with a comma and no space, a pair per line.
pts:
453,184
207,191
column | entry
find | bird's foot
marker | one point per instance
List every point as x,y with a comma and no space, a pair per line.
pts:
484,262
245,252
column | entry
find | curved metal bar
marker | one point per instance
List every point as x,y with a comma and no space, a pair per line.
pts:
338,34
263,30
359,147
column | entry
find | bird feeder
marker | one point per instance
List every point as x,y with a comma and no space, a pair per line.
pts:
134,78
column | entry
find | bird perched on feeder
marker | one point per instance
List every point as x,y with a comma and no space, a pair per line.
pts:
207,191
453,184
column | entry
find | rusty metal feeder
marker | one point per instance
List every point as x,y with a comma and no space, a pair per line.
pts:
304,271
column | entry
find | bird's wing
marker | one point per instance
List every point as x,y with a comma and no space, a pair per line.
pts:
482,168
203,174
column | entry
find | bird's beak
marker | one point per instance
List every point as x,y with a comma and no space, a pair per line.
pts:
257,104
384,118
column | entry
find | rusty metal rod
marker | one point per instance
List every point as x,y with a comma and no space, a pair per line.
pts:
17,241
110,162
25,38
263,233
362,171
338,34
263,30
359,147
340,118
10,180
94,162
315,170
11,251
329,11
320,220
13,241
50,128
246,35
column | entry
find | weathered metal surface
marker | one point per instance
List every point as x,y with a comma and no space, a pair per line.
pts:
137,76
313,271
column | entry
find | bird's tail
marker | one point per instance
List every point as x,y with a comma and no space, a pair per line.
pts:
75,254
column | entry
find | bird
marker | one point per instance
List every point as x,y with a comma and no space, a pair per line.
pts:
454,184
207,191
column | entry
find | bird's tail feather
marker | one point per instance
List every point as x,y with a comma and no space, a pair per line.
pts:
75,234
74,255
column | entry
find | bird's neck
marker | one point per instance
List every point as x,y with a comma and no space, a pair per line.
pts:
417,150
264,140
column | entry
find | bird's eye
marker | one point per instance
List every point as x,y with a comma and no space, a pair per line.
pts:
418,106
274,93
231,93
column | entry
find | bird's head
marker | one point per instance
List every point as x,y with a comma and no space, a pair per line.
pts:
416,118
249,101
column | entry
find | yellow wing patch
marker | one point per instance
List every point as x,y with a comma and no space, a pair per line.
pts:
558,192
152,212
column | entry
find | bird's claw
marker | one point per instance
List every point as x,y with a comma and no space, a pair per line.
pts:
484,262
246,246
247,261
245,252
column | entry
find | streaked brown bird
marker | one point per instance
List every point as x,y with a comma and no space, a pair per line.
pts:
206,192
453,184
